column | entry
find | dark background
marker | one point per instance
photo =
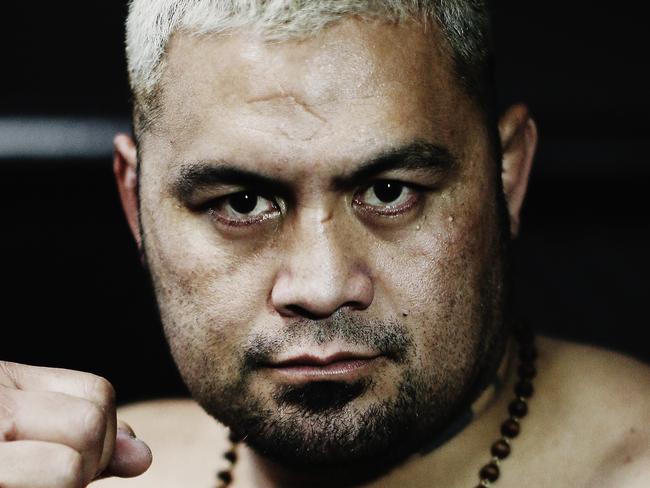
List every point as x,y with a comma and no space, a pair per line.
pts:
74,295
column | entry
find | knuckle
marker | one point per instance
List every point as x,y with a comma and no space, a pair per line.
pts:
6,401
8,428
93,425
71,468
8,370
100,390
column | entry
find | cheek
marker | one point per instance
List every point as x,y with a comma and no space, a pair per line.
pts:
209,295
437,276
447,246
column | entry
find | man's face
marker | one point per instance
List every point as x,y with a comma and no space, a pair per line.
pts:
321,222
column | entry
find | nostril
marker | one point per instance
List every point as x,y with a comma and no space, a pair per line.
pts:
312,314
297,310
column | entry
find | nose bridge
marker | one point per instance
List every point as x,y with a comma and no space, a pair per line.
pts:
321,246
321,272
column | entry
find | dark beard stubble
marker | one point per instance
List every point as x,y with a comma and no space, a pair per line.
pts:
316,427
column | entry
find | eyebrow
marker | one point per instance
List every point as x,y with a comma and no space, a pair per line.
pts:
418,155
200,175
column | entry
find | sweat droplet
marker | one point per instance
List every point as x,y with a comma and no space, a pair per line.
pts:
418,227
451,219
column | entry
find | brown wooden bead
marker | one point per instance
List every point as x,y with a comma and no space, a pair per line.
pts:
518,408
510,428
527,371
500,449
225,476
231,456
524,389
490,472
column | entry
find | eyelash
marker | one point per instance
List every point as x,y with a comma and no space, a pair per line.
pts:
388,211
213,206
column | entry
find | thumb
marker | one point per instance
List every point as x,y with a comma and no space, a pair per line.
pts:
131,456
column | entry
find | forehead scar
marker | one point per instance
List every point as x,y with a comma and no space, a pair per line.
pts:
297,121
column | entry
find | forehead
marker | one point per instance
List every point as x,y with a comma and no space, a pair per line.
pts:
352,89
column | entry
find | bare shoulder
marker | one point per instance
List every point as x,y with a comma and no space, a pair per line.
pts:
609,382
603,399
185,441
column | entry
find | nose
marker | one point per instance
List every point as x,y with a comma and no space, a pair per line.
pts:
321,273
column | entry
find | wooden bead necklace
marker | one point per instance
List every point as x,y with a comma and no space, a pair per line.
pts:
510,428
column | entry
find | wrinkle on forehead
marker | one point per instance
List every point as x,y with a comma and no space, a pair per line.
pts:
305,124
351,88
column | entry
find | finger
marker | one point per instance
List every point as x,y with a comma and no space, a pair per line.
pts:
33,464
124,427
109,437
74,383
131,457
58,418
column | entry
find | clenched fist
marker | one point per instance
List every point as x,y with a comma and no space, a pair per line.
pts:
58,429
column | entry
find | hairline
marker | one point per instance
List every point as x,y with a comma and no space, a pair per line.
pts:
464,27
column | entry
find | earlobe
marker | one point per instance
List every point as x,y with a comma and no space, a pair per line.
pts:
125,169
518,134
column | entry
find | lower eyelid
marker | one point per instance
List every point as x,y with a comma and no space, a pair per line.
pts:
242,222
388,210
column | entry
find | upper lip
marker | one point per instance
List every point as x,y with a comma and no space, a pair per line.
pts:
310,360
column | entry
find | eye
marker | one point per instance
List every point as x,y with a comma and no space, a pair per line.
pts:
387,197
244,208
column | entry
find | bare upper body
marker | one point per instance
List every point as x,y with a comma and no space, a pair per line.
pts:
326,220
589,425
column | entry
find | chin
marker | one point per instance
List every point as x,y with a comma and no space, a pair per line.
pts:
322,425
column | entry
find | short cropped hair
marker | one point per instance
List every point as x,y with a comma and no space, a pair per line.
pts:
465,25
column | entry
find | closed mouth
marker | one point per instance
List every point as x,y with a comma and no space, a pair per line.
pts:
341,365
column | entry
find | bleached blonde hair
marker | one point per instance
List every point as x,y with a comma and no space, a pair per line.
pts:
150,24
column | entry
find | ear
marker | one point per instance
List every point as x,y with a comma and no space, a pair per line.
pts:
125,164
518,134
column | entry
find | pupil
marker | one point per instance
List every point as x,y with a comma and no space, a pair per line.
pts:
387,191
243,202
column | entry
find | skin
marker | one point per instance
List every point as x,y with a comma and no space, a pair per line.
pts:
283,110
589,423
58,428
428,267
570,439
433,262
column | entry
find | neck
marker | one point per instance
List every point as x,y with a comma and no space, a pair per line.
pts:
466,437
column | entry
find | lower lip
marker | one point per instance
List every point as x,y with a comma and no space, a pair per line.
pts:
339,370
